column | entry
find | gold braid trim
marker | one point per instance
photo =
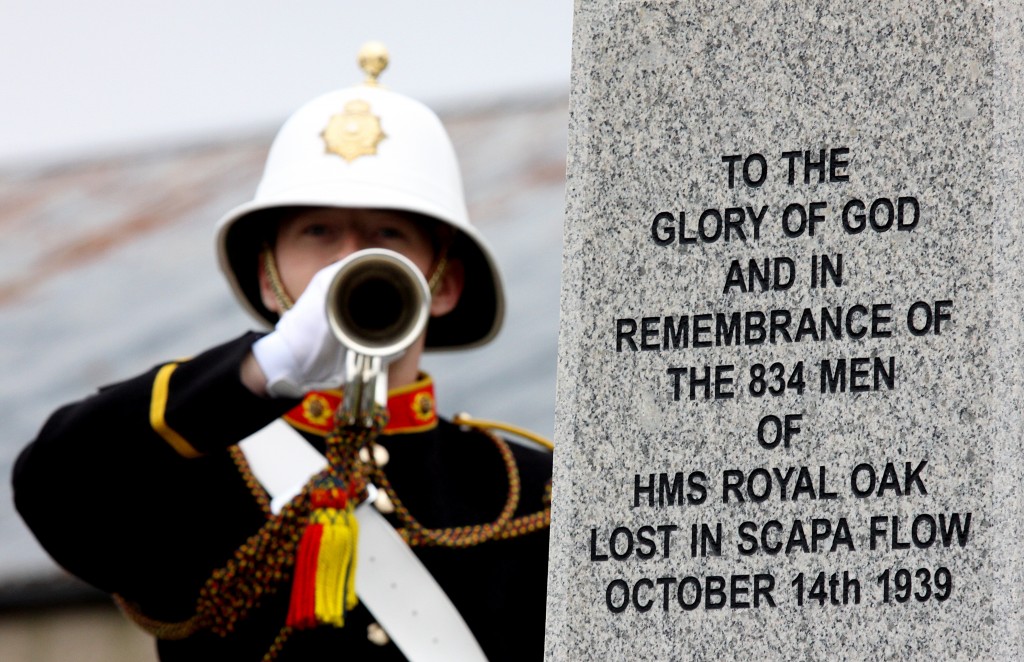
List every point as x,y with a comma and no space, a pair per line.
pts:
442,266
159,629
278,645
505,527
259,493
274,278
257,569
264,563
463,418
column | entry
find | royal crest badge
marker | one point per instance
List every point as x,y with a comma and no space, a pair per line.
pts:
354,132
423,407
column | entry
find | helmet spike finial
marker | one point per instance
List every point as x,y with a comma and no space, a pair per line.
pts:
373,59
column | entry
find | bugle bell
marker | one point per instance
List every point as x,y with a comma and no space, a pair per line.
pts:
378,304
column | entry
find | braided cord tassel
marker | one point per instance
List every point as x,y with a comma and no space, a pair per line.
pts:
323,585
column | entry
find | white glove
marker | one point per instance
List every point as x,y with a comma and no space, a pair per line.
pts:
302,354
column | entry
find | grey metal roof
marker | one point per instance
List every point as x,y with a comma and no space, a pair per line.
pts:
107,267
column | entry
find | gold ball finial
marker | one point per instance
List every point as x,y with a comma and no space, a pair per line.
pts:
373,59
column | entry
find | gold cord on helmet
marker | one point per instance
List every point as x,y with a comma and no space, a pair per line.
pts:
434,283
274,278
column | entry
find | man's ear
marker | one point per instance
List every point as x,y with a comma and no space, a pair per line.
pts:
266,291
449,290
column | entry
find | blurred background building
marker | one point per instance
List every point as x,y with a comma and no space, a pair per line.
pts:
128,132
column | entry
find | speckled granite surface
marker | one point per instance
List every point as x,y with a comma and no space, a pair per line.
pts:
798,216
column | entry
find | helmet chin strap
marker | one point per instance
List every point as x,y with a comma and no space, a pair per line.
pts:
274,278
286,302
434,282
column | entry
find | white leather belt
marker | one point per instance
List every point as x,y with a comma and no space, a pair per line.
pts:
390,580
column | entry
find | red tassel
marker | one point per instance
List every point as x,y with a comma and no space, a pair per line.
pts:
301,609
329,503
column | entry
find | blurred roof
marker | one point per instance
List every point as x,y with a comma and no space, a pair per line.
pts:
107,267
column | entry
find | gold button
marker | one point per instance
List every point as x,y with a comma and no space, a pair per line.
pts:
376,634
380,454
383,503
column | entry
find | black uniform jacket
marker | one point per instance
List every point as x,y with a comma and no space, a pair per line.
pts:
134,490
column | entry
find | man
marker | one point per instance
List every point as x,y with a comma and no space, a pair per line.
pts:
144,490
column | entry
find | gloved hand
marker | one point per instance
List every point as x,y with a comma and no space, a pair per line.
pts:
301,354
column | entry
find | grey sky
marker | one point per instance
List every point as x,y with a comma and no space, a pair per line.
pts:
81,78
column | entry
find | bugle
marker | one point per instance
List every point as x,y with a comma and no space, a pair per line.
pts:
378,304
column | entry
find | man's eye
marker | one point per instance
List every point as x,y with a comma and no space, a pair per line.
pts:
390,233
315,230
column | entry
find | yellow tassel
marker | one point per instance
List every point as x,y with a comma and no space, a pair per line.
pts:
351,600
335,571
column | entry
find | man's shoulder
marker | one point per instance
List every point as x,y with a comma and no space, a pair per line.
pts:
527,447
531,458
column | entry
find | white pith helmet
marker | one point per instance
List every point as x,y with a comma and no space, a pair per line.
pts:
367,147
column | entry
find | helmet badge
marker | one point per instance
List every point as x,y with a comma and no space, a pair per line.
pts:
354,132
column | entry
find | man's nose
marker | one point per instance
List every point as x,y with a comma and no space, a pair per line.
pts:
350,243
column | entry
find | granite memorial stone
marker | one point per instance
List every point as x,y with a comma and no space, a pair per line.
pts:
790,366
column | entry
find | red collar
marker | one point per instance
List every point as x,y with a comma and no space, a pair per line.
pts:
411,409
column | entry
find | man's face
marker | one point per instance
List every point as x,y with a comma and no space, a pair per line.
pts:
310,239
